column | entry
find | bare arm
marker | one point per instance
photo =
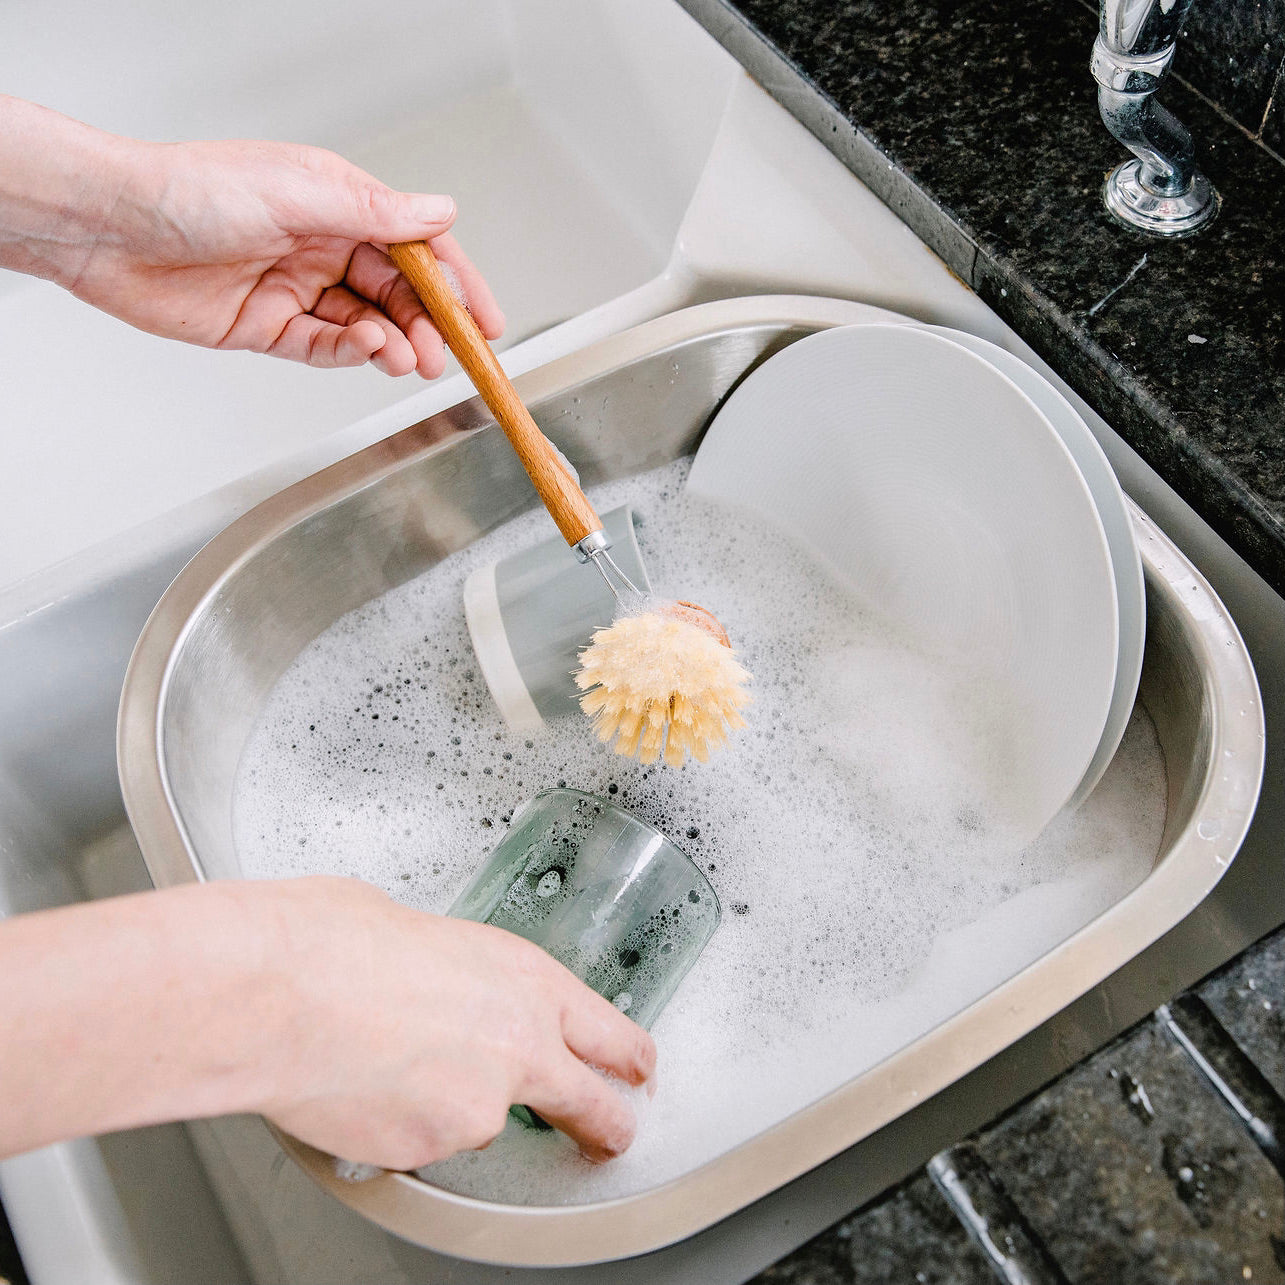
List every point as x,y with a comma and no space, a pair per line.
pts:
386,1036
272,247
378,1033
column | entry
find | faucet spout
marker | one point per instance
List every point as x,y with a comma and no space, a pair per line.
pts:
1161,191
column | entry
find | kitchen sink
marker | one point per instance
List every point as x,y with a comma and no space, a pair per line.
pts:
750,204
256,595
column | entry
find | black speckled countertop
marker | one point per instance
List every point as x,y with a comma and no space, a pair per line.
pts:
977,123
1161,1158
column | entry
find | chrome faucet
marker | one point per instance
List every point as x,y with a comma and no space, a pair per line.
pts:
1161,191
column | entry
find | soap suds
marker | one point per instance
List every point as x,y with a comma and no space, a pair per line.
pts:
854,831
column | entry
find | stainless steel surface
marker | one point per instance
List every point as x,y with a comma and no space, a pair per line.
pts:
623,589
64,838
245,606
595,542
1161,191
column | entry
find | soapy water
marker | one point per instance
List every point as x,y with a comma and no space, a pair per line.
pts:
596,889
855,831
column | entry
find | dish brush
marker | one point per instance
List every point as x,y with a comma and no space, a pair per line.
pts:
662,680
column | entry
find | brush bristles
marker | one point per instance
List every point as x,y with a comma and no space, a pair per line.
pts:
657,686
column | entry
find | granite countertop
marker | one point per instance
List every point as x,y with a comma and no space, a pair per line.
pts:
977,123
1159,1159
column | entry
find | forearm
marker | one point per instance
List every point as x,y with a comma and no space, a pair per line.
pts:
59,182
139,1009
376,1032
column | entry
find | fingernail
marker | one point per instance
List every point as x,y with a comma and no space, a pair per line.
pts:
600,1153
435,209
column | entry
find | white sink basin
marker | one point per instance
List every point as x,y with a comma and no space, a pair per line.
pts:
639,171
601,155
572,153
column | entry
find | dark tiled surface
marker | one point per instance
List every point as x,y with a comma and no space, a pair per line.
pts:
1119,1192
988,117
1248,998
1232,50
1014,1249
1274,126
11,1272
1130,1168
909,1235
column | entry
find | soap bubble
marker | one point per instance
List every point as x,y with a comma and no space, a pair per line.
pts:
854,831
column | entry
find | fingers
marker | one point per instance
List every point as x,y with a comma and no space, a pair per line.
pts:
597,1032
328,196
578,1100
373,275
396,356
345,329
586,1108
322,343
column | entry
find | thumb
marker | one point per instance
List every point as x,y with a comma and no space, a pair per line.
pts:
328,196
369,211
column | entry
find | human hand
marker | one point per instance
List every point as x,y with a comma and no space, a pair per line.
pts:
406,1037
271,247
383,1035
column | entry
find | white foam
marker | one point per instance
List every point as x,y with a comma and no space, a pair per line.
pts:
854,832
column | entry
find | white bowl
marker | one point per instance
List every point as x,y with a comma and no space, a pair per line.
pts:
1126,561
936,488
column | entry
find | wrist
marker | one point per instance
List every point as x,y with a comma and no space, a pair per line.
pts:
60,182
253,998
313,957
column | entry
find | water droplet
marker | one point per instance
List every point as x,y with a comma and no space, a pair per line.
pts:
1210,828
623,1001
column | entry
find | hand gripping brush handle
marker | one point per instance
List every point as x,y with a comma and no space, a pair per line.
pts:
575,517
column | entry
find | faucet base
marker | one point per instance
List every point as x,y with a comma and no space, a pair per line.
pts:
1132,203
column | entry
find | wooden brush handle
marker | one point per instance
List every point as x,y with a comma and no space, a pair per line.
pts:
563,498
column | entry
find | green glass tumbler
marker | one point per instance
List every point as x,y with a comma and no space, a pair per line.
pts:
606,894
603,892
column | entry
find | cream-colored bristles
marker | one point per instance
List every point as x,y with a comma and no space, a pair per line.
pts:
657,684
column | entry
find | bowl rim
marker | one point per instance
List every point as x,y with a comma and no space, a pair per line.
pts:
547,1236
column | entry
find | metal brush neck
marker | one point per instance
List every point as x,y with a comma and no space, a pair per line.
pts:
596,548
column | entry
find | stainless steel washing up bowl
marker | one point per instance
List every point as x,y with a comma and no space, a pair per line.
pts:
248,603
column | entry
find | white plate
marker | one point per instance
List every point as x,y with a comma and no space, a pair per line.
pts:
1126,562
932,484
